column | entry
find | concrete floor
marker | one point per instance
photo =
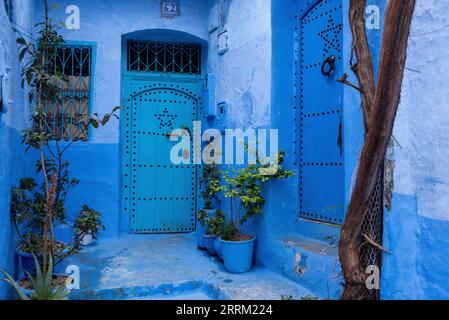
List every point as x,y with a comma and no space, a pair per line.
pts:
170,267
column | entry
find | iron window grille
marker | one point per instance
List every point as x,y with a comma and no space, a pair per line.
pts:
67,116
159,57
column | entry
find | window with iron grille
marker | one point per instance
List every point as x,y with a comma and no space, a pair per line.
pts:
148,56
67,117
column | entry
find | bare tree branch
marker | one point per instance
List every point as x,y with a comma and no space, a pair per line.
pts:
364,68
345,81
386,100
375,244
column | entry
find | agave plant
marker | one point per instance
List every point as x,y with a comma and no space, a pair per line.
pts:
42,284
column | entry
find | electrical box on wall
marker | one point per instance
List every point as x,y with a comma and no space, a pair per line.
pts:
222,43
211,107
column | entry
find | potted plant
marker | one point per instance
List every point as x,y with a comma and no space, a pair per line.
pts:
34,218
43,286
244,188
88,225
214,225
37,206
210,188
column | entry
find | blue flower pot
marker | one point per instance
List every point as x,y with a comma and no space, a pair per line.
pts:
237,255
217,246
209,240
201,230
26,262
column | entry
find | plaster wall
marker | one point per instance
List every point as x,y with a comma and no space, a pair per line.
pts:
243,74
97,163
14,163
416,230
255,78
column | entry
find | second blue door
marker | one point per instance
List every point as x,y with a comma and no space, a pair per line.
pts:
322,166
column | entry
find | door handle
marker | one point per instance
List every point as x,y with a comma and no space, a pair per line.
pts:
327,68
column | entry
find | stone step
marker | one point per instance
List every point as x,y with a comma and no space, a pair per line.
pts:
313,263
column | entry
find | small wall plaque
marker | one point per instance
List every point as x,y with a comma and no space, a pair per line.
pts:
170,9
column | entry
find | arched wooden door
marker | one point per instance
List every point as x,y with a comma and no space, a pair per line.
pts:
158,195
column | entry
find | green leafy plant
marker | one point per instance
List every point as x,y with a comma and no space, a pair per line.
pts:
244,189
37,208
42,284
29,215
88,222
215,224
210,185
202,217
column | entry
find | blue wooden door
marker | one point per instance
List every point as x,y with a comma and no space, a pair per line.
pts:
159,195
322,172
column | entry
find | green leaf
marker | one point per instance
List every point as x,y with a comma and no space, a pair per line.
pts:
105,119
21,41
55,5
14,284
94,123
22,54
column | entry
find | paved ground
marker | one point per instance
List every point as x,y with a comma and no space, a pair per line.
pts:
170,266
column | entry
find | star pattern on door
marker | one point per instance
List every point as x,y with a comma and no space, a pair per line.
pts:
331,35
166,119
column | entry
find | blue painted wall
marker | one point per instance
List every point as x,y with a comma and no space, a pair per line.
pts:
97,163
256,78
416,230
14,162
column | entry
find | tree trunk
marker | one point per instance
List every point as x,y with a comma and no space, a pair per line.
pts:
364,68
398,19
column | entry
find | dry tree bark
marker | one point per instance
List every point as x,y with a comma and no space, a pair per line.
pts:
363,68
379,125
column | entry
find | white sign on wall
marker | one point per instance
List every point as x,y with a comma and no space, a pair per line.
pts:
170,9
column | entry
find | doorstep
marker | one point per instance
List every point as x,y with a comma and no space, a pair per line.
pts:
314,264
146,265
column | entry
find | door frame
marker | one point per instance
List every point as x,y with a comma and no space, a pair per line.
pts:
126,78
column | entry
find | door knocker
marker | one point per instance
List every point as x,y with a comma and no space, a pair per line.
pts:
328,66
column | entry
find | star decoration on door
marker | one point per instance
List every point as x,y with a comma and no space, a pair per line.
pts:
331,35
166,119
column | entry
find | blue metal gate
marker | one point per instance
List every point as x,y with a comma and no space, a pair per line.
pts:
159,196
322,174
